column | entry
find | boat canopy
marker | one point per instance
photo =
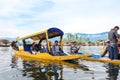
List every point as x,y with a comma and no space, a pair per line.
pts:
41,35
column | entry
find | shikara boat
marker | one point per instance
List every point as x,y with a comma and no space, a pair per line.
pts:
49,34
42,62
40,36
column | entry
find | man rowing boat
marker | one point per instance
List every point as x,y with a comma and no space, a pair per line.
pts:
74,48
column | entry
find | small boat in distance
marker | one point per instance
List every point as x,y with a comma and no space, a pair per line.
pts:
4,43
40,36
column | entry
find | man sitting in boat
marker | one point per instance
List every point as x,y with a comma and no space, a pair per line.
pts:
74,48
56,50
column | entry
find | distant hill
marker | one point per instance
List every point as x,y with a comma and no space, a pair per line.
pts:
92,37
8,38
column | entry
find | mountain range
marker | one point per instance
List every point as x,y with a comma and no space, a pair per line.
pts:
92,37
8,38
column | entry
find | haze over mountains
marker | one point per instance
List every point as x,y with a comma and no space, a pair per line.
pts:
92,37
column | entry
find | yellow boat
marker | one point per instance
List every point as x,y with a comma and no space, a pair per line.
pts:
40,36
42,62
46,35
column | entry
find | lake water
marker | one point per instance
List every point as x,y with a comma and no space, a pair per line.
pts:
12,68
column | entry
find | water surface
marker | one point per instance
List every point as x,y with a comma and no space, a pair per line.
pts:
15,68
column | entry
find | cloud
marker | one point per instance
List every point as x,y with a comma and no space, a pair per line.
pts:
90,25
17,16
20,17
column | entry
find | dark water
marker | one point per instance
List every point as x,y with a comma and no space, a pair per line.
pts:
15,68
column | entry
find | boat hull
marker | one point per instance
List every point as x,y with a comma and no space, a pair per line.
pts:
45,56
99,59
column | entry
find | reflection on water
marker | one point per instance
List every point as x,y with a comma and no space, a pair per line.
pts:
45,70
16,68
113,71
42,72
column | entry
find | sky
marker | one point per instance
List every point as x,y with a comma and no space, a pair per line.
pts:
19,17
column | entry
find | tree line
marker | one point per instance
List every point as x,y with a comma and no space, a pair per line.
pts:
75,37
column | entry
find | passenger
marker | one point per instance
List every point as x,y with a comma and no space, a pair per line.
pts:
34,48
26,46
112,36
74,48
40,47
14,45
107,49
56,50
